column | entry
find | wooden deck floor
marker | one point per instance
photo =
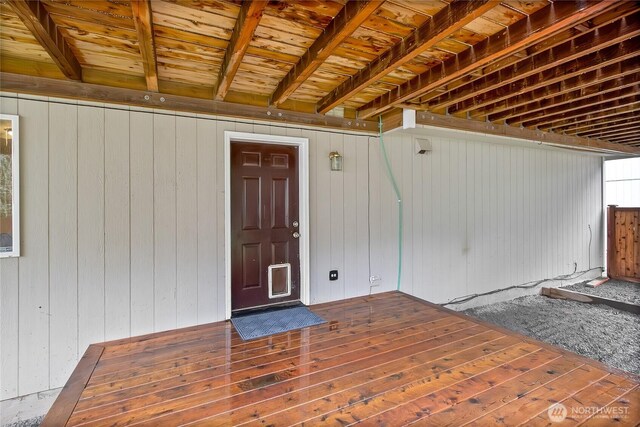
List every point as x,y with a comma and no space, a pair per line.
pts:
388,359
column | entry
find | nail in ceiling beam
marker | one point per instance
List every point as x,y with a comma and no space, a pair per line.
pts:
540,25
246,24
36,18
352,15
451,18
144,26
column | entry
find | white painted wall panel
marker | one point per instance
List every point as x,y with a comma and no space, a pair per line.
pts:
33,298
63,241
90,226
481,216
146,192
623,182
9,317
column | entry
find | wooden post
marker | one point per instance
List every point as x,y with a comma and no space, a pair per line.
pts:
611,234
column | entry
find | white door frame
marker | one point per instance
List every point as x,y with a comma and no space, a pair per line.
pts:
303,196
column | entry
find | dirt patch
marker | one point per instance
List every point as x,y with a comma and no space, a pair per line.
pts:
612,289
592,330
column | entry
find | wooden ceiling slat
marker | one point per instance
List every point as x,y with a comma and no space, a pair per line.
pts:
601,125
510,107
141,10
37,19
79,12
627,99
629,128
451,18
537,108
342,26
246,24
542,115
480,92
596,117
545,22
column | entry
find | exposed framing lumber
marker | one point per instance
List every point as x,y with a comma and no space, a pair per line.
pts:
616,100
393,120
599,117
144,27
246,24
510,107
542,24
604,126
626,128
554,104
352,15
84,91
626,50
436,98
35,17
451,18
589,299
484,91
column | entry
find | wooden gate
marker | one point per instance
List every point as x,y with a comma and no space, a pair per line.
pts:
623,243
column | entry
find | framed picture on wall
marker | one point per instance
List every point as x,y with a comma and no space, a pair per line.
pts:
9,186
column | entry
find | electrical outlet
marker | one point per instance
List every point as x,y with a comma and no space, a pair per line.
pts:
333,275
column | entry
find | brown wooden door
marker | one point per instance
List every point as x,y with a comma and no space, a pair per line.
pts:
264,225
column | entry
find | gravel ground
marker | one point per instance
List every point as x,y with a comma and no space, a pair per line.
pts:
593,330
612,289
33,422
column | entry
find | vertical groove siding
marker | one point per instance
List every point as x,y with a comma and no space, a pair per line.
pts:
480,216
123,229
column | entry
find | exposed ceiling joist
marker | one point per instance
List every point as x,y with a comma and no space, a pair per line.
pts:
627,99
592,130
546,115
451,18
342,26
511,107
552,19
246,24
572,100
626,111
36,18
487,91
597,124
144,27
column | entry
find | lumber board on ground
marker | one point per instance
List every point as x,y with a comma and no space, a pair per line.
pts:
589,299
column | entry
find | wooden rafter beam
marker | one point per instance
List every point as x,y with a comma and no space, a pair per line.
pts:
631,135
621,11
144,27
603,129
597,118
585,80
352,15
599,124
451,18
613,55
547,21
590,103
37,19
568,141
21,83
606,106
246,24
537,108
631,129
481,91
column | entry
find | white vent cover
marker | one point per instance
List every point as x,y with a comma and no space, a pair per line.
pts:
423,146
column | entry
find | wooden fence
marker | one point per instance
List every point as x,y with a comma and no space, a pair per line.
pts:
623,243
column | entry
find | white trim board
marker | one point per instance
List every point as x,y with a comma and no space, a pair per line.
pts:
303,176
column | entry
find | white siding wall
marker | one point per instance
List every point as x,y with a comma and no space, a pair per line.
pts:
123,229
479,216
123,224
623,182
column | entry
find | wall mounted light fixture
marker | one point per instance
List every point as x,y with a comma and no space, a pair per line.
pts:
336,161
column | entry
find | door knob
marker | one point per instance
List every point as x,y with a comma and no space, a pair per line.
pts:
295,223
296,234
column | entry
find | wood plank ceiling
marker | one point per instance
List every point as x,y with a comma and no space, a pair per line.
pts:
569,68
